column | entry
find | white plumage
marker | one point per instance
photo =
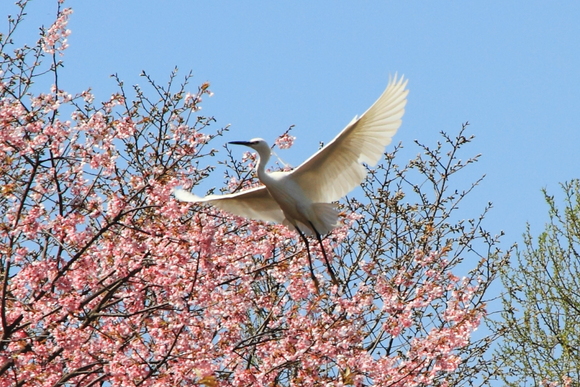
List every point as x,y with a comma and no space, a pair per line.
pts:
304,194
303,197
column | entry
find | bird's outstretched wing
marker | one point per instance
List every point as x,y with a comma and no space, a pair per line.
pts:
336,169
255,203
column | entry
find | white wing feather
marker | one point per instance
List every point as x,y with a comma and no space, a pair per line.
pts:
336,169
255,203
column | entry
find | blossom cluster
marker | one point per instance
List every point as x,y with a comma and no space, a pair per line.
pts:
285,141
55,39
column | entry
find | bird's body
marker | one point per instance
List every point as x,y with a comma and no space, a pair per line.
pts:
302,198
298,209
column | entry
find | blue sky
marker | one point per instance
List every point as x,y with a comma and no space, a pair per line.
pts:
509,68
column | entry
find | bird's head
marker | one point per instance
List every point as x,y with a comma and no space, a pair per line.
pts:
258,144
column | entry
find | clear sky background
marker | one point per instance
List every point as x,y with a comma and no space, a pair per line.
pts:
510,68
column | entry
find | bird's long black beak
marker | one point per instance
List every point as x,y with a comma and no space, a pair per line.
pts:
246,143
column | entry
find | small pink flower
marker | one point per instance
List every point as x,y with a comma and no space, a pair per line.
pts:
285,141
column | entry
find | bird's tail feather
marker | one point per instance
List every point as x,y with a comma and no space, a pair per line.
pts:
326,217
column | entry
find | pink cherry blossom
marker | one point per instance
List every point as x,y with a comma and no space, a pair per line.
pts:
55,38
285,141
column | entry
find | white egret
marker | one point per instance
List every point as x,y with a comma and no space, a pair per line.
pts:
302,198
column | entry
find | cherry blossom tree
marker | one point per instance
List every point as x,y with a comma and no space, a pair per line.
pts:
107,280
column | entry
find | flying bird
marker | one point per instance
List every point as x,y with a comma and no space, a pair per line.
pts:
302,198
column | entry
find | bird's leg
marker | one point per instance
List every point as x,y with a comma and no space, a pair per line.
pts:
314,279
326,261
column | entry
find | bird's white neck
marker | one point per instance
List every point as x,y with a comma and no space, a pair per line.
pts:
261,169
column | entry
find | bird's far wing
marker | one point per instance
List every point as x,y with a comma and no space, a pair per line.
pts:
255,203
336,169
